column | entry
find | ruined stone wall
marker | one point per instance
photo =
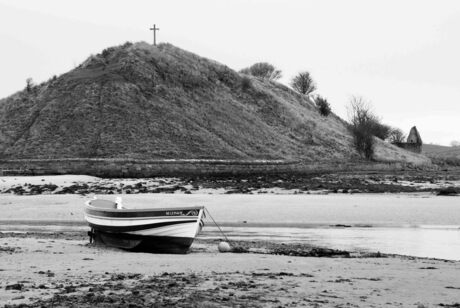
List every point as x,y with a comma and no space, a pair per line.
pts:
413,147
151,168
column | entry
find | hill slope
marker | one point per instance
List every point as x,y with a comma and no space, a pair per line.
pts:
442,154
433,150
141,101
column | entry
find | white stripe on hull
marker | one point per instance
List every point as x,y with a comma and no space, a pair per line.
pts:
181,230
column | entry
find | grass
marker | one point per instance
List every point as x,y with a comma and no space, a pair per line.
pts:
139,101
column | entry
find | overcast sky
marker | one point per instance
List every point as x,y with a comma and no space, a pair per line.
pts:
403,56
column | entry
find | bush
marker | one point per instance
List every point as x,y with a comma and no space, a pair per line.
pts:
303,83
449,191
446,161
246,83
106,52
29,84
323,106
364,141
380,130
263,70
127,44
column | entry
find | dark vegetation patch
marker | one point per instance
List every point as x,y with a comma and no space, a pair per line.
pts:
403,181
291,249
9,250
449,191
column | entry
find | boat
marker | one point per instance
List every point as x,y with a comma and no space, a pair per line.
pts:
163,230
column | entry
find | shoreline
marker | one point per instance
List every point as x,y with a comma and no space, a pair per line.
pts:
209,245
331,183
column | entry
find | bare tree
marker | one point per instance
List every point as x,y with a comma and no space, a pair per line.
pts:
303,83
364,125
359,111
263,70
396,135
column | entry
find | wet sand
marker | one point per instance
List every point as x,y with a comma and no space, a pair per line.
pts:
63,269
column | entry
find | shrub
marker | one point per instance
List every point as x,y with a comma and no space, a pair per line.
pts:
127,44
29,84
246,83
446,161
364,141
380,130
262,70
449,191
303,83
106,52
323,106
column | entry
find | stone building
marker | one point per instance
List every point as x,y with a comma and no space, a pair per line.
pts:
414,141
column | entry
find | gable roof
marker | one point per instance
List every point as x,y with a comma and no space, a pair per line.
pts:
414,136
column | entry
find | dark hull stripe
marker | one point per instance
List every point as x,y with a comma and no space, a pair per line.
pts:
162,244
138,227
133,214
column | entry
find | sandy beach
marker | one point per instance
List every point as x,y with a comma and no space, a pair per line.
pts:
63,270
46,260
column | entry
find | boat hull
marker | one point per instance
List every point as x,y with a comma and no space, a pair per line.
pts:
151,230
155,244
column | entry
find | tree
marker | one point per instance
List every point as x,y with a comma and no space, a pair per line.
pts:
455,143
396,135
365,125
323,106
303,83
29,84
263,70
381,131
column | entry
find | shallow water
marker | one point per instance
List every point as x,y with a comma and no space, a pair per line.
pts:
415,225
421,242
419,224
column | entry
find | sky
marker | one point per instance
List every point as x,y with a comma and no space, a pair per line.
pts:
403,56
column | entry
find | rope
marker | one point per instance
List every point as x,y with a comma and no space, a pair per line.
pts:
226,238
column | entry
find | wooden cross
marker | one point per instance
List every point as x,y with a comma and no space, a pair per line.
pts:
155,29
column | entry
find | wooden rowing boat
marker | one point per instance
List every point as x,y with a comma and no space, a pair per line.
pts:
169,230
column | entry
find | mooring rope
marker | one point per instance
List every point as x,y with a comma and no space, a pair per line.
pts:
226,238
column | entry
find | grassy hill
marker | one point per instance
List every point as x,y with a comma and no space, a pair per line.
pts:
140,101
442,154
440,150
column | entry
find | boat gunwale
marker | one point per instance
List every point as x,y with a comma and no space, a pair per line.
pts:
125,210
140,218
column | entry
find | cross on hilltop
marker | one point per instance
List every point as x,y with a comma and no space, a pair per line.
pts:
155,29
